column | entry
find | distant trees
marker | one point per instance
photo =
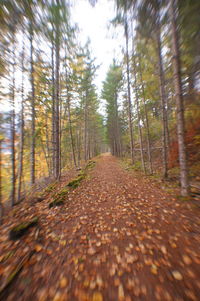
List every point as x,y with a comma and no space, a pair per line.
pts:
159,74
54,118
110,92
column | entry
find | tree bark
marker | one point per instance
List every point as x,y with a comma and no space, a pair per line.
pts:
70,128
86,127
129,90
57,101
13,134
1,140
32,79
53,111
21,150
147,122
138,115
163,98
179,102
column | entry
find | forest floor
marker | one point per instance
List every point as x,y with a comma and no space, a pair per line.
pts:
118,236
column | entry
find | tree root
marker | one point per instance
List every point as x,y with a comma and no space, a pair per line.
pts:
17,269
22,228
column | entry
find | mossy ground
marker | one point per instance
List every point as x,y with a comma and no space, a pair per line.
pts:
60,197
19,230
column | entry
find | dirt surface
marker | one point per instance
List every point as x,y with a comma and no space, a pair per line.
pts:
117,237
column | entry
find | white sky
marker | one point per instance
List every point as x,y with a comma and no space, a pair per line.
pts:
106,41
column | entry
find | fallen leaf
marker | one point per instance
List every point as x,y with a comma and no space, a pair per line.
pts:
63,282
120,293
177,275
38,248
97,296
187,260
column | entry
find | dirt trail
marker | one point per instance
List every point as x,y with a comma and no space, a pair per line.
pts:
118,237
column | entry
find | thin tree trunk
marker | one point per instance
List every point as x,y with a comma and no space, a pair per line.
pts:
13,134
163,100
53,111
32,108
86,129
57,102
21,150
117,127
179,103
129,91
1,204
147,121
78,146
48,155
138,115
70,128
1,140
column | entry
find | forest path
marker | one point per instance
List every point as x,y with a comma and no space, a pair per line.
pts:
120,237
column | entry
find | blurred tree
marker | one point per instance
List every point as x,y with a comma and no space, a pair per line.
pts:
179,101
110,92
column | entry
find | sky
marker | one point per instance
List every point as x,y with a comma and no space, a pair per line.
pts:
106,41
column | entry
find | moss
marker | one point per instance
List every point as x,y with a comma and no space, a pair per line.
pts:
90,164
7,256
55,203
59,198
184,198
75,182
51,187
19,230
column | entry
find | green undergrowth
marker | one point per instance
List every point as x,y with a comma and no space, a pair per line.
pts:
184,198
90,165
51,187
76,181
60,197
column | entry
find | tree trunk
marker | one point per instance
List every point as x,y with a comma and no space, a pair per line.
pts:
129,92
117,127
163,100
32,108
1,140
147,122
21,150
57,102
70,128
53,111
86,129
13,134
138,115
179,103
1,204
